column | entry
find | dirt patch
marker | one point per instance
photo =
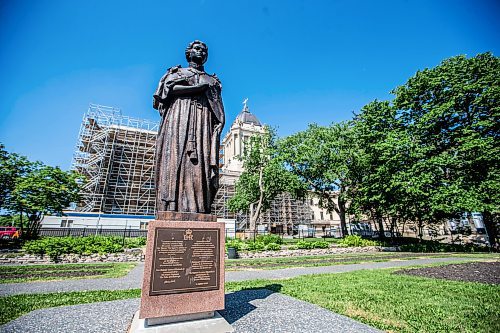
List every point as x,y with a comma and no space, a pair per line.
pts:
483,272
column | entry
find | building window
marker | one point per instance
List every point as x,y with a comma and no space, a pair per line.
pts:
311,201
312,216
66,223
143,225
321,215
331,216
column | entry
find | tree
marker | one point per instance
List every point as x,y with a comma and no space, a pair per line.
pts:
264,177
12,166
432,153
384,147
323,159
32,189
452,112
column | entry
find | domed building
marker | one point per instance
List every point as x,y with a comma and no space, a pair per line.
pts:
244,126
285,213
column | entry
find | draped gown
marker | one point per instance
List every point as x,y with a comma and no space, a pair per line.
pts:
187,147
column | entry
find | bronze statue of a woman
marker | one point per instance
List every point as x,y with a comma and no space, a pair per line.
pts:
187,149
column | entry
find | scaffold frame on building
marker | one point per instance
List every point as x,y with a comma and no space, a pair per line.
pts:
116,155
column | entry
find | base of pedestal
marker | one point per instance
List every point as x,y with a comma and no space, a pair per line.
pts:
181,324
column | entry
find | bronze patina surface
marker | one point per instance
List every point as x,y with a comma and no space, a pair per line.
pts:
185,260
187,148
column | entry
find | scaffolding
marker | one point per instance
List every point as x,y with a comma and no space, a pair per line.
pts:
283,216
116,155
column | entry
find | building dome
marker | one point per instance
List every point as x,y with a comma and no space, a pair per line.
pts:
245,117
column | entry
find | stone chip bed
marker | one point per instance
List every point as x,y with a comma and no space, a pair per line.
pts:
129,255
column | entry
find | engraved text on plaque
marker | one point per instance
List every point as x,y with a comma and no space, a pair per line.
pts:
185,260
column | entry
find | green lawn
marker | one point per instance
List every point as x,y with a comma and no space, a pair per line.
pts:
394,303
18,305
28,273
338,259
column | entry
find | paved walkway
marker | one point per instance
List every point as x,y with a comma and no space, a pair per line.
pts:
248,311
134,278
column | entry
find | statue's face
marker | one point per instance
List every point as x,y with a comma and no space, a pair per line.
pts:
198,54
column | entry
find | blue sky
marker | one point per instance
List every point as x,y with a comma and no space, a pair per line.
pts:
298,62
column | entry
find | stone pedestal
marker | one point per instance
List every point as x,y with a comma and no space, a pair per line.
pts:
183,275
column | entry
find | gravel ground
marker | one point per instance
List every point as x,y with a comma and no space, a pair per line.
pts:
134,278
483,272
248,311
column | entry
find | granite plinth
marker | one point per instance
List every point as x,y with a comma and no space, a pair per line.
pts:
181,300
214,324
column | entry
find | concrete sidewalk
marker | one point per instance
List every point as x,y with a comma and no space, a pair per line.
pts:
134,278
248,311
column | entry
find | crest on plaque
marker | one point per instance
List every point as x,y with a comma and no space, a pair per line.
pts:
188,235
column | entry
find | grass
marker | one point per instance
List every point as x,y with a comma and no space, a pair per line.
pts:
18,305
30,273
394,303
337,259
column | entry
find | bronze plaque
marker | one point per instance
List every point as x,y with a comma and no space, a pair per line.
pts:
185,260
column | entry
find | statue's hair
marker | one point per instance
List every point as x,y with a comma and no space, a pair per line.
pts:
190,46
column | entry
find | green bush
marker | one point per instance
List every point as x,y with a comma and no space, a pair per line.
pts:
133,243
312,245
56,246
273,247
293,247
321,245
356,241
234,243
435,246
256,246
305,245
267,239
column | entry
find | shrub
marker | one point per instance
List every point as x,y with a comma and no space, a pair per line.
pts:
267,239
132,243
273,247
435,246
313,245
293,247
234,243
356,241
321,245
256,246
305,245
56,246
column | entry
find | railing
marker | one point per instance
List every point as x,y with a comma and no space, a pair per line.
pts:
83,232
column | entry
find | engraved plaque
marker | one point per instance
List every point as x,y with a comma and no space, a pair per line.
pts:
185,260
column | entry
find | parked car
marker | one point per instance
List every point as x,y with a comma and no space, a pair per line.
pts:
9,233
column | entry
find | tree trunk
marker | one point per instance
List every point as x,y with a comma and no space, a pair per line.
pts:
420,228
491,228
380,222
342,215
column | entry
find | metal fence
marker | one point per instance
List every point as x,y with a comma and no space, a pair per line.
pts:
83,232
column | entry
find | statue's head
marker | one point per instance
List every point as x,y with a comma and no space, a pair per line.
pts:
197,52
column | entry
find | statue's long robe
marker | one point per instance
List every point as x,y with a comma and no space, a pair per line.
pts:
187,147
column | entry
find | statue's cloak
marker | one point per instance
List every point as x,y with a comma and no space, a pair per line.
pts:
187,147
